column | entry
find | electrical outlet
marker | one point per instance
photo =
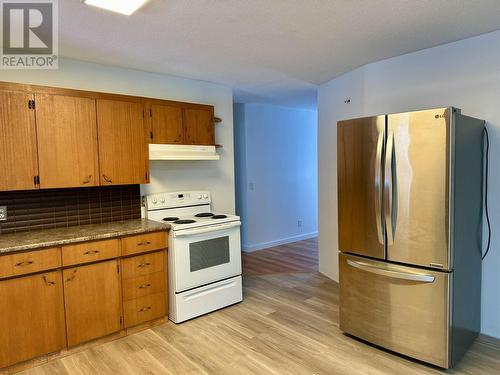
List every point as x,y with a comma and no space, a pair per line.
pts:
251,186
3,213
299,223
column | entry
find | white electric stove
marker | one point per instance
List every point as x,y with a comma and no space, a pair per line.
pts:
204,255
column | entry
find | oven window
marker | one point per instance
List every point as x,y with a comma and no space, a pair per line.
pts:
208,253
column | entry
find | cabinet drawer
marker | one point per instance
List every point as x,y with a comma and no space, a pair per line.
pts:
143,309
29,262
144,242
143,265
141,286
90,252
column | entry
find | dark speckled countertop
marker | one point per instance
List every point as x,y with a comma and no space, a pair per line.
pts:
62,236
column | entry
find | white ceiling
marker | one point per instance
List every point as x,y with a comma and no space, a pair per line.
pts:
274,51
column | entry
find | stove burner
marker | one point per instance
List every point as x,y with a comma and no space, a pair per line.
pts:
170,218
186,221
219,217
204,214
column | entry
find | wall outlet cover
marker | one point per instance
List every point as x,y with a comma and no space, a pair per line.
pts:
3,213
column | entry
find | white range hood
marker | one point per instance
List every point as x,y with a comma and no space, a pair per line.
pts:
182,152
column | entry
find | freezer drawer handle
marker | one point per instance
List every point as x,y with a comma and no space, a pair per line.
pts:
394,274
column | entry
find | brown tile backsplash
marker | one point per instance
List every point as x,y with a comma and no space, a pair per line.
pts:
57,208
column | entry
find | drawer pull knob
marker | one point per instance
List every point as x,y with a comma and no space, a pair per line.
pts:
142,265
144,243
144,286
26,263
91,252
87,179
47,281
145,309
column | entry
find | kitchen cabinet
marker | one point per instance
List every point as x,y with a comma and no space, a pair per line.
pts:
18,154
93,301
181,123
199,125
67,141
31,317
123,155
167,124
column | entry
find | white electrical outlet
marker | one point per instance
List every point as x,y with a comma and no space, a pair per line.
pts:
3,213
299,223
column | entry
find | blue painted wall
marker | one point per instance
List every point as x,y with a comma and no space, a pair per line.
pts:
276,174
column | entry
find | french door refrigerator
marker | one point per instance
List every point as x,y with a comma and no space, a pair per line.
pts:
410,231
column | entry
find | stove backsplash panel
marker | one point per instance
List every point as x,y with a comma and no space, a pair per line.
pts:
57,208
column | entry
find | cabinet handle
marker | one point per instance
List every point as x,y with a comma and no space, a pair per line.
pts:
144,243
25,263
47,281
91,252
145,309
87,179
144,286
107,179
72,276
143,265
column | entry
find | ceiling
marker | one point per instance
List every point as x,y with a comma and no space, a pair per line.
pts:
274,51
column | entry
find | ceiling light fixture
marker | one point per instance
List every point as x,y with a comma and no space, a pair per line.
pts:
126,7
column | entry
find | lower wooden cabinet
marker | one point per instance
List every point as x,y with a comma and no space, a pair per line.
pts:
93,302
31,317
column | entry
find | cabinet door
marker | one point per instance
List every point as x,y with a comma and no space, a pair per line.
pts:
199,127
92,297
167,124
123,153
31,317
67,141
18,158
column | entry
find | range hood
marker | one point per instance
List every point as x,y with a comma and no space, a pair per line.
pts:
182,152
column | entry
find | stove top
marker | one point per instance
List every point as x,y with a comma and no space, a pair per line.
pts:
185,210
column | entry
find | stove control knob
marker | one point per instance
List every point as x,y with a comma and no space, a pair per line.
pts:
162,200
199,196
205,196
154,201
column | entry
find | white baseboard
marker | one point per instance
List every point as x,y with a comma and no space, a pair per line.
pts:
264,245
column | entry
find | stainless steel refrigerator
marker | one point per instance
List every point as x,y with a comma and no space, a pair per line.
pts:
410,231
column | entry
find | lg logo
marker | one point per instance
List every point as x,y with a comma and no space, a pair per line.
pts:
29,34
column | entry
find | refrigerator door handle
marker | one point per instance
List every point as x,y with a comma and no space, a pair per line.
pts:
378,187
388,189
383,271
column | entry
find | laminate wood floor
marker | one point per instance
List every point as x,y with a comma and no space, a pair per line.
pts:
287,324
300,256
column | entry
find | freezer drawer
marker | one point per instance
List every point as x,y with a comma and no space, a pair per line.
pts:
400,308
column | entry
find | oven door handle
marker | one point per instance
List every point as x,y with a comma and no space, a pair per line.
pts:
211,228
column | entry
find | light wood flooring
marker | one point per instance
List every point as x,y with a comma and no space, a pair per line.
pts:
287,324
296,257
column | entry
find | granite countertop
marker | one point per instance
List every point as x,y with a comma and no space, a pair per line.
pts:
61,236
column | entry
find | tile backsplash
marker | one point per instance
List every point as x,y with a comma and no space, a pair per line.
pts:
57,208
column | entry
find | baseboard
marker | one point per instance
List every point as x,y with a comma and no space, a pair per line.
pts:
264,245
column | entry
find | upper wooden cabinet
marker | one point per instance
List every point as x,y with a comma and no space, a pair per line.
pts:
123,155
67,141
199,125
59,138
18,159
167,124
181,123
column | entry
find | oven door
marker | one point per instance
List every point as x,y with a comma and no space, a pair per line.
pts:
201,256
